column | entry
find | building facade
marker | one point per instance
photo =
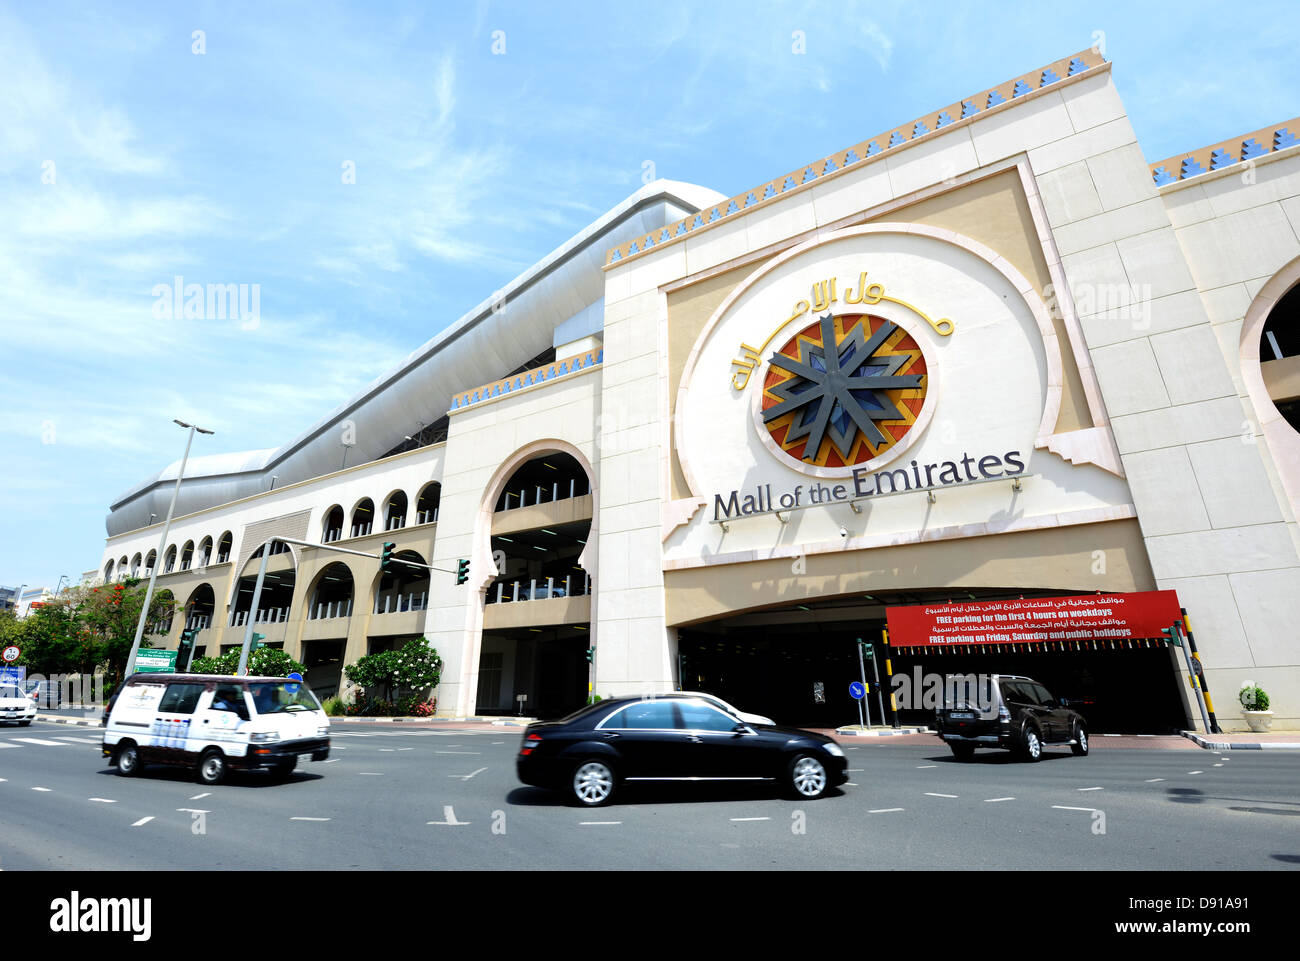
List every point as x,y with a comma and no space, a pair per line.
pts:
990,355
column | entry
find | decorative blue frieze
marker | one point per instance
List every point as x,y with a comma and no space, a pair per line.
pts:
994,99
698,221
943,120
1221,158
714,215
1283,138
1252,148
829,166
895,139
968,109
873,148
789,184
1162,176
919,129
769,192
681,229
732,209
750,198
1020,89
851,157
1190,168
1076,66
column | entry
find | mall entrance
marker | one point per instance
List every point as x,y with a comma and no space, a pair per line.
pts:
795,664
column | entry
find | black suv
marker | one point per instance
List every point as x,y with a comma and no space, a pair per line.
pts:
1009,712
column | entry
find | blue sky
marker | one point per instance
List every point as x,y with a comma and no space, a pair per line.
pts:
226,166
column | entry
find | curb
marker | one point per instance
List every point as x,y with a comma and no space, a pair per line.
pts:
1201,741
850,732
75,721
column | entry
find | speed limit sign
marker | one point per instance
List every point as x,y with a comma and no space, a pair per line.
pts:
11,654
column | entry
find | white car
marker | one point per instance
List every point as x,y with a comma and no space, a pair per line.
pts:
723,705
16,706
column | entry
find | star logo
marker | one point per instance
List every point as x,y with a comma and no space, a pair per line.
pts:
843,390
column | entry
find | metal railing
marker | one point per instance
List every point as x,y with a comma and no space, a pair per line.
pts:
538,589
267,615
198,622
361,530
398,603
539,493
327,609
396,523
427,517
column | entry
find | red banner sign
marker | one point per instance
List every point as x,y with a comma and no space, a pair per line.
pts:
1087,617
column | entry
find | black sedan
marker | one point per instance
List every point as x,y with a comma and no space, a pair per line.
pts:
588,754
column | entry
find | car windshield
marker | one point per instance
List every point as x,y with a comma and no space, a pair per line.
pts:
11,692
272,697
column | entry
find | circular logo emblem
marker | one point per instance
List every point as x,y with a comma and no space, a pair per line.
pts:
843,390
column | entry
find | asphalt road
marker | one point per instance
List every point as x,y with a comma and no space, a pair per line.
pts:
418,798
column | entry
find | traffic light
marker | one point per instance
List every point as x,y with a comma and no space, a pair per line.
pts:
185,649
591,655
462,571
386,558
257,642
1171,633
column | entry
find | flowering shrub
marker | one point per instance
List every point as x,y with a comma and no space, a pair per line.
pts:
415,666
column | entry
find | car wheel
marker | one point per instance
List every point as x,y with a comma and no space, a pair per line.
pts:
212,767
1080,745
593,783
282,771
808,777
963,752
128,760
1031,748
24,723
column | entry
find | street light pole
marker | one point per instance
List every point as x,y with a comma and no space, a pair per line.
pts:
162,546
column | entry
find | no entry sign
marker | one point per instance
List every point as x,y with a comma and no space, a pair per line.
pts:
1087,617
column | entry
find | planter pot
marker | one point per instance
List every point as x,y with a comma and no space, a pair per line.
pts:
1259,721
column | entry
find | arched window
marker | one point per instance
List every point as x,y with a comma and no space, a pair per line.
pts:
135,565
332,526
108,571
395,511
223,547
169,563
550,477
426,507
150,563
187,555
205,552
331,596
363,518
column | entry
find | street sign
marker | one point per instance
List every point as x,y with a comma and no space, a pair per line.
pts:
13,675
293,688
155,662
11,654
857,691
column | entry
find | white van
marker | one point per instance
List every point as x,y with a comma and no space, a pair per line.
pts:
215,723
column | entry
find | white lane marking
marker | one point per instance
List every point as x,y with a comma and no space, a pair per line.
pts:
308,819
194,810
457,752
1195,772
370,773
1152,780
101,800
1062,807
589,823
852,770
1218,765
1112,735
449,818
932,794
2,780
142,821
1092,789
43,789
751,819
406,749
333,760
389,749
850,784
40,741
7,744
920,767
498,742
80,740
466,777
199,797
994,800
885,810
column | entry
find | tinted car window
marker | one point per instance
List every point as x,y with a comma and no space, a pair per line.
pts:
229,699
701,717
1011,691
1044,698
644,715
180,699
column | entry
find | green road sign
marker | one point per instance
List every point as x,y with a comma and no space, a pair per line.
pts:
155,662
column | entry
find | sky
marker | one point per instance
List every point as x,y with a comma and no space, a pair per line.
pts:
373,170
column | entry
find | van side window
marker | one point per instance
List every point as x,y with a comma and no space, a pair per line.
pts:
230,699
180,699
